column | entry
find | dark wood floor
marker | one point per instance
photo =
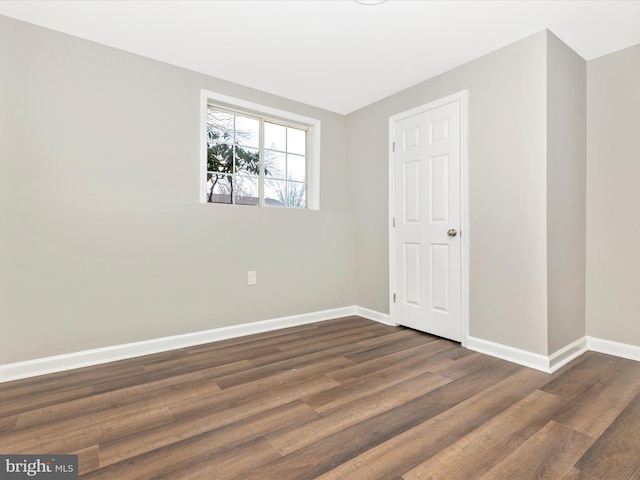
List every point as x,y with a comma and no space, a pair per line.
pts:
343,399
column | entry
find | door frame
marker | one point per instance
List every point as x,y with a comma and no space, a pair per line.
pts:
462,97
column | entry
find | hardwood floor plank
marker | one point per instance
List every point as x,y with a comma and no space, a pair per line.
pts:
406,450
378,379
198,364
550,453
616,454
595,409
224,465
575,474
392,343
299,342
299,464
114,398
280,336
200,419
427,353
466,386
32,402
582,375
457,353
8,423
278,367
476,453
340,346
311,461
85,430
357,410
44,386
209,412
181,447
88,459
289,385
466,365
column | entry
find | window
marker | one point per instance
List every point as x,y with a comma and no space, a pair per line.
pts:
254,155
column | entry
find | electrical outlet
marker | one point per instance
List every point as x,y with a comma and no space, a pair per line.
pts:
252,278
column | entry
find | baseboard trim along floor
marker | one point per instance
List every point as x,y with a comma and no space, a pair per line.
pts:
69,361
85,358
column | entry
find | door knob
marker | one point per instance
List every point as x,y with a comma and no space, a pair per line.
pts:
452,232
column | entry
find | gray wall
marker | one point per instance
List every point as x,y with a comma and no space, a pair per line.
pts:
566,193
6,199
507,180
103,239
613,197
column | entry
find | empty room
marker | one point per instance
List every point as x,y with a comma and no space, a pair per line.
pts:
319,239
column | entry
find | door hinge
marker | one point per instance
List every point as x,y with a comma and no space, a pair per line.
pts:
394,146
394,221
394,298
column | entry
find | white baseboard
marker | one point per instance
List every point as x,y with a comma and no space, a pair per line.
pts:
375,316
86,358
563,356
557,359
511,354
69,361
632,352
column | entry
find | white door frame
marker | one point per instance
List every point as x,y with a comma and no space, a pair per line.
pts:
464,190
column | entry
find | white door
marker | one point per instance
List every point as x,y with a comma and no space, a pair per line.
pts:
427,204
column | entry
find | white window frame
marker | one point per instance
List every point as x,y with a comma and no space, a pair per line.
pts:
245,106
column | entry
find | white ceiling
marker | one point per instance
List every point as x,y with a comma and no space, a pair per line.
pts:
335,54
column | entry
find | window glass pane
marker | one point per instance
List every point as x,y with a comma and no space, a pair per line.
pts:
275,164
275,137
219,126
218,188
273,193
279,193
209,186
246,190
298,195
296,167
247,131
220,158
296,141
247,161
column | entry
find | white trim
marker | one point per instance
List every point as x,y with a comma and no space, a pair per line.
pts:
69,361
313,161
464,217
461,97
391,213
624,350
96,356
566,354
202,188
547,364
511,354
374,315
313,176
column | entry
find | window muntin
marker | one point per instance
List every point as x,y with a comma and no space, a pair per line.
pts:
254,160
